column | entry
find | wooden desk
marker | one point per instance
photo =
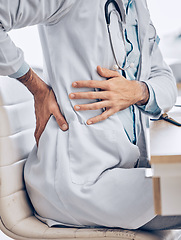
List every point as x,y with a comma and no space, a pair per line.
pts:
165,147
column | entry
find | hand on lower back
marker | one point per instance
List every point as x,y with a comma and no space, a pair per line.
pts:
45,103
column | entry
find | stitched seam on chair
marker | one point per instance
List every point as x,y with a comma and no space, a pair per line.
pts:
20,190
14,104
103,231
21,221
18,236
16,161
44,234
121,233
24,130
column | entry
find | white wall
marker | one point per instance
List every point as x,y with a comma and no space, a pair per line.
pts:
166,15
28,40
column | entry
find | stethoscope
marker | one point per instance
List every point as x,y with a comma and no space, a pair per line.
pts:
122,22
116,67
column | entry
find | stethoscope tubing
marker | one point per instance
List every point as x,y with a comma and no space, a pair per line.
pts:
108,20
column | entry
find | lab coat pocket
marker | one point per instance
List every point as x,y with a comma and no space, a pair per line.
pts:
91,151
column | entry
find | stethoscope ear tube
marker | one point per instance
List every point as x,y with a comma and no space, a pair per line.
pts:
107,15
108,20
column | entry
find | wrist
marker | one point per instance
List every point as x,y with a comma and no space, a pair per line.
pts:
32,81
144,93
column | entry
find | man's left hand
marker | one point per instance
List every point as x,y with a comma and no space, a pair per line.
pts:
117,93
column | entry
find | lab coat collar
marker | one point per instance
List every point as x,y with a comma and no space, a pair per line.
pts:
143,20
143,17
121,4
143,24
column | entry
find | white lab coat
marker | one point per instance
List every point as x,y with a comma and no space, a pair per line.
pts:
86,175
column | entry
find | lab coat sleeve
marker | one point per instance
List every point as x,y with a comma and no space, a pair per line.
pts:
21,13
162,82
21,72
151,108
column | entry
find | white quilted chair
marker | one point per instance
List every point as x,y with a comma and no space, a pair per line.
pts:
176,68
17,123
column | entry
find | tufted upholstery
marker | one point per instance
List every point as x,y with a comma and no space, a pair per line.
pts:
176,68
17,123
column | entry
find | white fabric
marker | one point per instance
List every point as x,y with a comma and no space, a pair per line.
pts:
85,176
16,218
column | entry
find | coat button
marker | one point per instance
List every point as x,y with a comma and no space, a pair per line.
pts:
131,65
115,67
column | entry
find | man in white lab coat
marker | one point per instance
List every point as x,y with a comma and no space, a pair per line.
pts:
87,174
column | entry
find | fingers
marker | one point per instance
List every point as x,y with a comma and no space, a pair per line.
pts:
93,106
106,73
59,118
103,72
90,84
40,127
89,95
55,111
102,117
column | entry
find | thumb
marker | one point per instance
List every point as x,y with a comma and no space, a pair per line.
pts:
106,73
60,119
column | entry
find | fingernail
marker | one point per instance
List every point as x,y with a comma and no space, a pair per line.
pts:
77,108
64,127
89,122
74,84
72,95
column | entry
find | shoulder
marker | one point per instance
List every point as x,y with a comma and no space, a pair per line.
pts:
142,2
142,6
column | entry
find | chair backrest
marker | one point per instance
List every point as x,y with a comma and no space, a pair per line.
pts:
176,68
17,124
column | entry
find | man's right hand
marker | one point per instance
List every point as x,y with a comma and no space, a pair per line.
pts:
44,101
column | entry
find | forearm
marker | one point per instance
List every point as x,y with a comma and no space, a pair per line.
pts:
34,84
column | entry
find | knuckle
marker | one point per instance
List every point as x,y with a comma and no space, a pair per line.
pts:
97,106
60,120
91,95
53,107
117,108
104,117
90,84
108,115
114,104
87,107
109,85
109,95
